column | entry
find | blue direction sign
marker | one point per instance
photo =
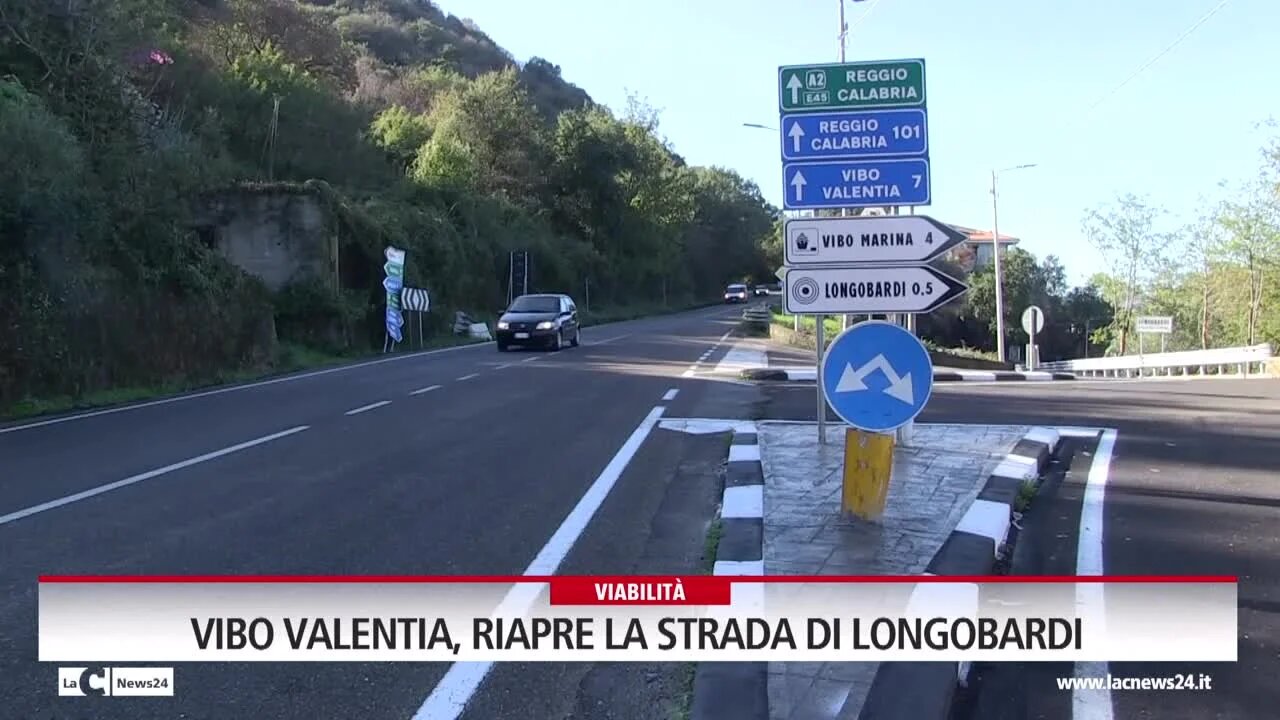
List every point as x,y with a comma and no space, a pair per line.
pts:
854,135
868,183
877,376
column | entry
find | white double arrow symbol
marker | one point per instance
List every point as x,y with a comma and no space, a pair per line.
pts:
899,387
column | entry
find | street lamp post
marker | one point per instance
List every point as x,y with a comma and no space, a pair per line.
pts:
995,249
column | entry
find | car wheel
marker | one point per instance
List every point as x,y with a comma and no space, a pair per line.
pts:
577,337
557,341
502,347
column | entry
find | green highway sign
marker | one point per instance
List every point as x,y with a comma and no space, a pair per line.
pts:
851,86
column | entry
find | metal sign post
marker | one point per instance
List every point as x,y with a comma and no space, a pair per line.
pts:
1032,323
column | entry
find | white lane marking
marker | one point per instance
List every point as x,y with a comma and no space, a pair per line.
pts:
365,408
741,357
236,388
724,337
451,694
468,377
605,342
1089,704
744,501
688,373
68,499
426,389
530,359
738,453
671,394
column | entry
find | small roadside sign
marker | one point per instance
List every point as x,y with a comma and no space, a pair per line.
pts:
868,289
867,239
1033,320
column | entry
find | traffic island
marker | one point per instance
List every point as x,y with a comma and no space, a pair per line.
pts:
938,480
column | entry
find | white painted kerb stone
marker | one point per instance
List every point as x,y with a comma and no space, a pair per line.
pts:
988,519
746,501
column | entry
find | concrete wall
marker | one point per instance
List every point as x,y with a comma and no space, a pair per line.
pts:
277,235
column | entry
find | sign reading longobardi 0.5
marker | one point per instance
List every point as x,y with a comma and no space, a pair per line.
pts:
851,86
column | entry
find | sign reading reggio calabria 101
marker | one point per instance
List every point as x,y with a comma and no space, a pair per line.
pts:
854,135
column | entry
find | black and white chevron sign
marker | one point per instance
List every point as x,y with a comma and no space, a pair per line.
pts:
415,299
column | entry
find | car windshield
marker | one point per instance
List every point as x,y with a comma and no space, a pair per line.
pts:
533,304
736,288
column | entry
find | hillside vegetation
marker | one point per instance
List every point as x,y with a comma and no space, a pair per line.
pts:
118,117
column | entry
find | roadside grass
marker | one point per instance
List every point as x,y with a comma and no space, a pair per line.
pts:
831,325
1026,493
290,358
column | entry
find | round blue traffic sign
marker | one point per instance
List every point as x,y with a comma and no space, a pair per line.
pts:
877,376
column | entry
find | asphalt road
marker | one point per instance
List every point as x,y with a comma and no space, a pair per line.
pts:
295,477
1193,489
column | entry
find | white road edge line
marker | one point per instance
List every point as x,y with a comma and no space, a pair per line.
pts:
468,377
450,696
1089,704
364,408
426,389
671,394
68,499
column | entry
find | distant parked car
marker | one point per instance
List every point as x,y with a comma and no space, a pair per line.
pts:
735,293
547,320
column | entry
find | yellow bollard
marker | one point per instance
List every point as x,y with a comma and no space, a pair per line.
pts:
868,465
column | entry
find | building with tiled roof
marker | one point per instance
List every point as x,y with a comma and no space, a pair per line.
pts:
979,250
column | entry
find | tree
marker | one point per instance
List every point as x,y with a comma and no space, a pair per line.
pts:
1126,235
1252,242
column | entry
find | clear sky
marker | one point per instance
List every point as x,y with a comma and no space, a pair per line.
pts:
1009,82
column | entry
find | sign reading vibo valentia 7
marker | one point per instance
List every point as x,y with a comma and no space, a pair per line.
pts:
851,86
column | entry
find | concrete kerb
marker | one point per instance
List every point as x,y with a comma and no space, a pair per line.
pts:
733,690
808,374
925,690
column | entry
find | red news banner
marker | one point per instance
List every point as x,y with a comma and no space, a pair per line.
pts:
641,619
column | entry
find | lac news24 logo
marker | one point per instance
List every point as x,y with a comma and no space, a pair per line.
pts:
115,682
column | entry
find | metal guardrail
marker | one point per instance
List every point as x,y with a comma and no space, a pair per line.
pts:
1246,360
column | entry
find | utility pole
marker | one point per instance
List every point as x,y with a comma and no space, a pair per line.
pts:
995,253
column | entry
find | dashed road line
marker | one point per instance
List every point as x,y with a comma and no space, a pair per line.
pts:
671,394
68,499
366,408
426,389
468,377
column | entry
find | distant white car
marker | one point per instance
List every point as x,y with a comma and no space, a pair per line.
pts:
736,293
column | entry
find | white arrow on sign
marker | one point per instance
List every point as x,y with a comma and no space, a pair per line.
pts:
794,86
868,289
899,387
798,182
866,239
795,134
